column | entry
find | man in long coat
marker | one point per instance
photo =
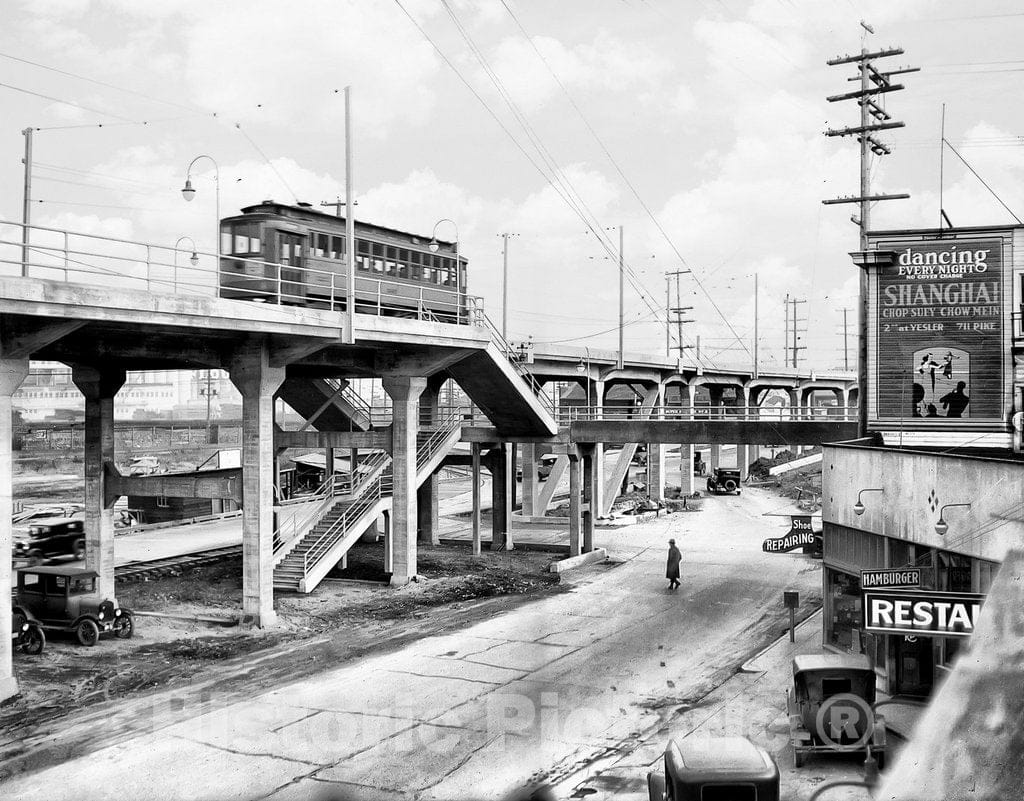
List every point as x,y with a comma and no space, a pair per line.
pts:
672,570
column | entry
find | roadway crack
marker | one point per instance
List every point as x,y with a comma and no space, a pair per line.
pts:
248,754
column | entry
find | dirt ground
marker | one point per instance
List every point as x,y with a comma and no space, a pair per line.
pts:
164,653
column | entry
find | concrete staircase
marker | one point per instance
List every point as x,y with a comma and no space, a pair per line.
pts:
328,404
302,560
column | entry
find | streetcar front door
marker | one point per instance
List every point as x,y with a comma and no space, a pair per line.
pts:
290,252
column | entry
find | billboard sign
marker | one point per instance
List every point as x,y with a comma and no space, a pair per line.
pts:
800,534
922,612
939,332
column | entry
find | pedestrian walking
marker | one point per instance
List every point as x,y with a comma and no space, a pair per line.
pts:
672,570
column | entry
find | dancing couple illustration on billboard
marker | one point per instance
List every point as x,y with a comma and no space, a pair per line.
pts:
941,383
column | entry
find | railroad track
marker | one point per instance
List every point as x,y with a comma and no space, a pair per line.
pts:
146,570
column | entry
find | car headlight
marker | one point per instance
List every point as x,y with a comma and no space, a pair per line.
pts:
117,613
100,616
24,626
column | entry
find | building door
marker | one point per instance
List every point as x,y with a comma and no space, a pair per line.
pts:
913,666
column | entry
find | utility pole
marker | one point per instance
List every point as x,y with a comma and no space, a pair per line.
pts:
504,284
873,117
26,209
668,321
795,330
350,226
622,302
785,336
755,326
846,351
677,310
337,205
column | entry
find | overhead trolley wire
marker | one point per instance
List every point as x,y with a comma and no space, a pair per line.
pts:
65,102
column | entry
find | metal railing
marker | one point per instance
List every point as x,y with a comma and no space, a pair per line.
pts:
774,414
71,256
514,357
367,496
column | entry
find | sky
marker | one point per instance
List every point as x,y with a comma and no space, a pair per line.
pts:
695,125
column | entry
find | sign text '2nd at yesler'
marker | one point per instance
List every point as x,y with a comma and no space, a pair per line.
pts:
939,331
937,614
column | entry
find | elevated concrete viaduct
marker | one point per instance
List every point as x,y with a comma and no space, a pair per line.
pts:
308,356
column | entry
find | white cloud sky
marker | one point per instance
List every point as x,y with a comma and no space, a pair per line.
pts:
713,111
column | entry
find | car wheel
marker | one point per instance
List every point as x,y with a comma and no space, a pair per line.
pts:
880,759
126,629
35,558
711,487
79,550
730,485
34,641
655,786
88,632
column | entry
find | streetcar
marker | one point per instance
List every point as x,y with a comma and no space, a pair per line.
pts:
278,253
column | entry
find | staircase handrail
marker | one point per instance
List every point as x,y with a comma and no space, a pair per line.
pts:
323,496
349,394
512,355
365,501
449,422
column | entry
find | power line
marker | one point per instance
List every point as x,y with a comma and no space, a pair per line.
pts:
270,164
983,182
65,102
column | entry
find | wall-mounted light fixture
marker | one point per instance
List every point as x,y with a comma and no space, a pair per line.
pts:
858,507
941,527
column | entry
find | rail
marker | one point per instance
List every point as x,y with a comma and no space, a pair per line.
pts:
765,414
513,355
73,256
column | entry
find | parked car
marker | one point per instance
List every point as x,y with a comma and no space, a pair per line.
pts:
724,480
830,689
66,599
26,633
715,769
52,536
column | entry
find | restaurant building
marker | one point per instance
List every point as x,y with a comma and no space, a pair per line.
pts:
936,489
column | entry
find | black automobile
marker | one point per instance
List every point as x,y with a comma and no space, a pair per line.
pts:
724,480
66,599
52,536
26,633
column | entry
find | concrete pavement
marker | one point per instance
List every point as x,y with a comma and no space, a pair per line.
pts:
533,695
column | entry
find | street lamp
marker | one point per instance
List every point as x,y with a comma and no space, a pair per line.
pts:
194,258
858,507
188,193
941,527
434,245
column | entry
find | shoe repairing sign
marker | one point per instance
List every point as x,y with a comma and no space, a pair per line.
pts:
800,534
921,612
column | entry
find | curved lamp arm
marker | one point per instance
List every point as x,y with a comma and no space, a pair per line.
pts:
858,507
941,526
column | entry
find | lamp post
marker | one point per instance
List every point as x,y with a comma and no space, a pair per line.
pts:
188,193
193,259
434,245
941,527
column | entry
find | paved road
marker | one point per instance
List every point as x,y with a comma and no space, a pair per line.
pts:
534,694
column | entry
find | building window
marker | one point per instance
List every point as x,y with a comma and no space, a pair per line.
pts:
162,503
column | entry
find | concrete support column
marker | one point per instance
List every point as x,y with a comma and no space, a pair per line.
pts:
12,373
405,393
328,463
794,407
597,390
715,458
743,461
428,528
502,478
687,482
475,471
531,487
656,471
589,494
100,387
257,381
575,519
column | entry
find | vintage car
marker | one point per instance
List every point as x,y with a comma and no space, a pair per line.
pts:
66,599
724,480
715,769
49,537
26,633
831,707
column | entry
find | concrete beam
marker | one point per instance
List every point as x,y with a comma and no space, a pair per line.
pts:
720,432
486,435
34,336
224,483
379,438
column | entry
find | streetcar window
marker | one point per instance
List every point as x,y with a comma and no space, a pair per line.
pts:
254,244
392,253
286,252
427,275
225,241
337,247
321,244
241,244
363,263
